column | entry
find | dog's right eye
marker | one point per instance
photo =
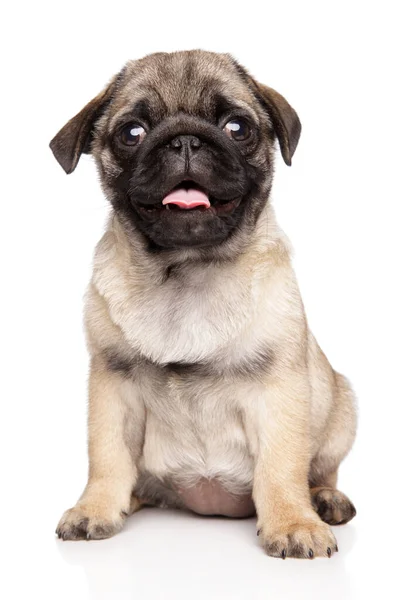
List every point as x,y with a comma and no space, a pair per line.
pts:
132,134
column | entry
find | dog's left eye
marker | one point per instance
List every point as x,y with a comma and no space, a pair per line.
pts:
132,134
238,130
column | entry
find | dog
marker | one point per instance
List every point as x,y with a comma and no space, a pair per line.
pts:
207,390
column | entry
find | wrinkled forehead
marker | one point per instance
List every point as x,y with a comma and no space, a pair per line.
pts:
196,82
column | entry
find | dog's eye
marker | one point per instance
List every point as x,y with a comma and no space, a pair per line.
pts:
238,130
132,134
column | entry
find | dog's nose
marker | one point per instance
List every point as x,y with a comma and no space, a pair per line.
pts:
185,144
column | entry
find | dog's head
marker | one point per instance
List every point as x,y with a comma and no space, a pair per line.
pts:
184,146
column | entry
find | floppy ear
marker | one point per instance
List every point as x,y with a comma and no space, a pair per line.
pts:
284,119
76,136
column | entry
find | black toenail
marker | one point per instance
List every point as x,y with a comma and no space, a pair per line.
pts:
283,555
336,548
310,553
329,551
258,531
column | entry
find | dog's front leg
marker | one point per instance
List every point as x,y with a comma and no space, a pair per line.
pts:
116,426
287,524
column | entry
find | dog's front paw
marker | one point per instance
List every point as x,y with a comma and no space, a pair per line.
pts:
88,522
304,539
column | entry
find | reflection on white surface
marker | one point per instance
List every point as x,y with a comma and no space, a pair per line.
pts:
168,554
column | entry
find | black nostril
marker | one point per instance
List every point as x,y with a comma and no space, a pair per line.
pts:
176,143
194,142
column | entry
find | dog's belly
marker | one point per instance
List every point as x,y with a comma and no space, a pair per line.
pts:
197,453
209,497
206,497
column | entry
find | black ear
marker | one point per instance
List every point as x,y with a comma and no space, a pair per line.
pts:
284,119
75,137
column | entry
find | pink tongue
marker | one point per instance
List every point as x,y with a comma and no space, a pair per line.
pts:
187,199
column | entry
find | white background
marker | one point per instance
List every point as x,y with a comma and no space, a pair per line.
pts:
337,63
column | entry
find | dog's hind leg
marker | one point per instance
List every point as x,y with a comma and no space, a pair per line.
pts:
333,506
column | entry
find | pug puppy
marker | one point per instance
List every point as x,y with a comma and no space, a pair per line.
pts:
207,390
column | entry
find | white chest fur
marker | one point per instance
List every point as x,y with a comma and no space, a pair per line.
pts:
198,312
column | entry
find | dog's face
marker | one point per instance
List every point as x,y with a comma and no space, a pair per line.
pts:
184,146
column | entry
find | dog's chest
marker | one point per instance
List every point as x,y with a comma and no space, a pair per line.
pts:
188,318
